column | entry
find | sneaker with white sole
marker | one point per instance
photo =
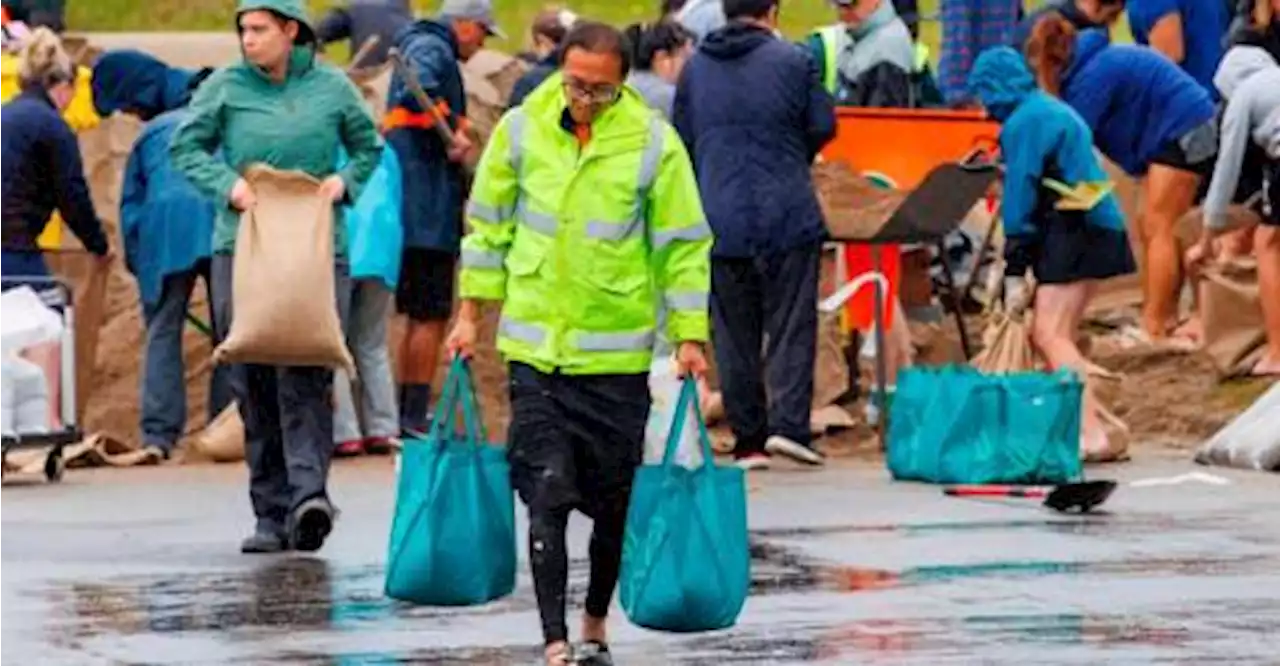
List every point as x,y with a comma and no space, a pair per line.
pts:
752,461
785,446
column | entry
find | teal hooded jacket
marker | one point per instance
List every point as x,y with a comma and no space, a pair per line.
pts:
299,124
1040,137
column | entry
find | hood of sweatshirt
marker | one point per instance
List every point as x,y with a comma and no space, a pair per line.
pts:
735,41
1238,65
1001,81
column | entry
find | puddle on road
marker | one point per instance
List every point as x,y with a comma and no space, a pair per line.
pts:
299,593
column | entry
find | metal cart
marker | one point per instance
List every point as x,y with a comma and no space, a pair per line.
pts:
57,295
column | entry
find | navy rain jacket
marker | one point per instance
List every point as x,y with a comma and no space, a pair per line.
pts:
752,111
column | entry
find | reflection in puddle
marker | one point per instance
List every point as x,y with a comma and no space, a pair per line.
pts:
307,594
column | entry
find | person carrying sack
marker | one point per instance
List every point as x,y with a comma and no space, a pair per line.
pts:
282,108
585,209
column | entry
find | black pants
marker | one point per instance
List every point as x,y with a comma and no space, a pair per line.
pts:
287,414
766,305
575,443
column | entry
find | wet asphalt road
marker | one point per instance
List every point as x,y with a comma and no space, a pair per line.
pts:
140,567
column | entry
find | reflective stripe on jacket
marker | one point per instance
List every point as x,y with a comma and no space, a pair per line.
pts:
580,242
830,36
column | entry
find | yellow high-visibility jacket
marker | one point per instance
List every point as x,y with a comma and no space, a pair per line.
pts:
580,242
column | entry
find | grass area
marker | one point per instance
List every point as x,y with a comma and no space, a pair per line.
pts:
798,16
515,16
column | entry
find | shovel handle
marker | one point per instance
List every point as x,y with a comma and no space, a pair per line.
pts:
994,491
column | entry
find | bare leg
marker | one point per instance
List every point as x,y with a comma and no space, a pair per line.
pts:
48,356
1168,194
420,351
1266,245
1058,310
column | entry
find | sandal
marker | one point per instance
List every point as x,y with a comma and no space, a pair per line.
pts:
1131,337
593,653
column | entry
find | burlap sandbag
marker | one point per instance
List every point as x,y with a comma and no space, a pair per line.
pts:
283,303
374,83
1006,346
1231,309
222,440
489,77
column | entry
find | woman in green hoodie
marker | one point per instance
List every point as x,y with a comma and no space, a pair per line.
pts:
281,108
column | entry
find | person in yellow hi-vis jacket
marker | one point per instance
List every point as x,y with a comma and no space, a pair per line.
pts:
585,211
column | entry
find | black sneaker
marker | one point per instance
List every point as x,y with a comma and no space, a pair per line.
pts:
263,542
592,653
312,522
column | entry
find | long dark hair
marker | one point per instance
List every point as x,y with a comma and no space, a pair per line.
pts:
648,39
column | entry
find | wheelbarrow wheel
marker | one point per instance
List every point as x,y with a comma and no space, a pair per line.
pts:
54,466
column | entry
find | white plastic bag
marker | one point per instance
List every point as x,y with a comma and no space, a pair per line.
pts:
664,392
1250,441
27,320
24,406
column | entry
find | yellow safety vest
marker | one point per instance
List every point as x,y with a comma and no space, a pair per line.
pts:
580,242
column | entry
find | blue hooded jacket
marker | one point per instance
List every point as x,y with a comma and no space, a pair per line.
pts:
1039,137
433,185
1135,100
752,111
166,224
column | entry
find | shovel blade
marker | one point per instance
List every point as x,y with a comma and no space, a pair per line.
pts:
1082,497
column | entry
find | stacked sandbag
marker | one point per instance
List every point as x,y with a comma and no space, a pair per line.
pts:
489,77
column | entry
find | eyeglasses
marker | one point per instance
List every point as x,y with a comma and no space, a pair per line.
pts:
591,93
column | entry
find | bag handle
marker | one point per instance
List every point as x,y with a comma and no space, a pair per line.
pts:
688,396
459,391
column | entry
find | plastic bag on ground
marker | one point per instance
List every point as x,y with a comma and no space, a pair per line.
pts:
453,534
1251,441
686,565
283,296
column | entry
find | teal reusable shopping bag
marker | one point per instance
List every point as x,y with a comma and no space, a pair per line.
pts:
958,425
686,565
453,535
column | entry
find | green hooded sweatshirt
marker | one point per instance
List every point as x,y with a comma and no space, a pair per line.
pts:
297,124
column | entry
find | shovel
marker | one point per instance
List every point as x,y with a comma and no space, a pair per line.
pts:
1082,496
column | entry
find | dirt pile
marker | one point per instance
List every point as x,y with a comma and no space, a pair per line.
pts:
854,207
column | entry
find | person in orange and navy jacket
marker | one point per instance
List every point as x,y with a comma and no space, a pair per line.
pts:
434,189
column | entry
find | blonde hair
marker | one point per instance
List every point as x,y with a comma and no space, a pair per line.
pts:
43,62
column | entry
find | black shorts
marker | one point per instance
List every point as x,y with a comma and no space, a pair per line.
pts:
1194,152
1069,250
576,440
1271,195
425,291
